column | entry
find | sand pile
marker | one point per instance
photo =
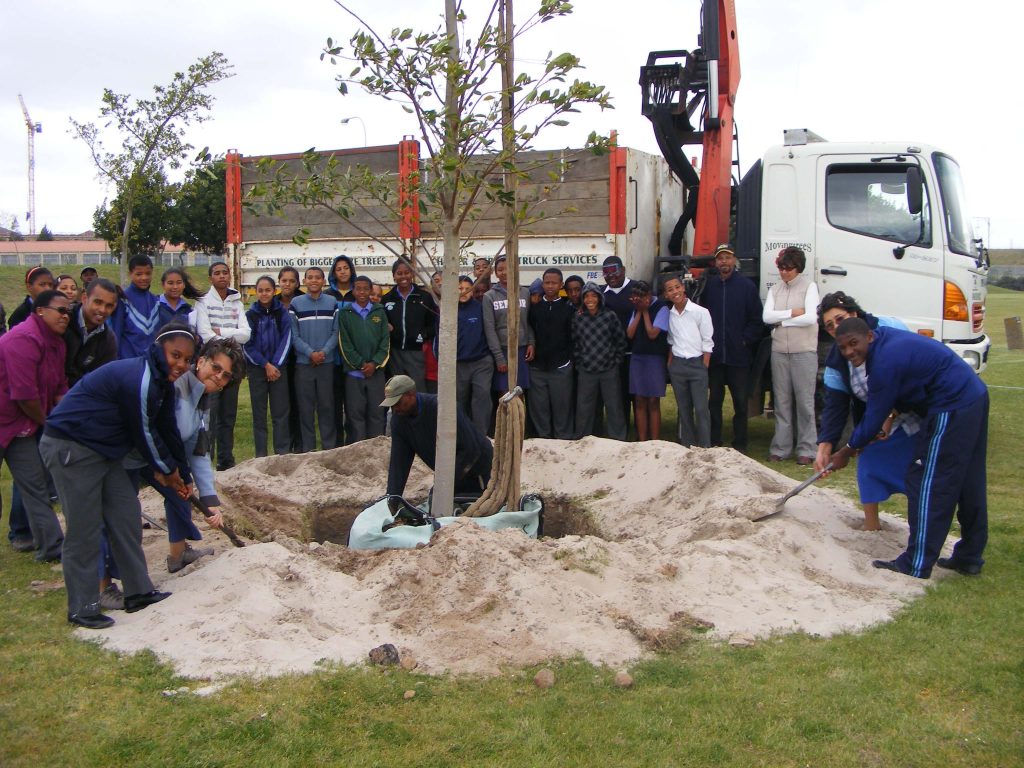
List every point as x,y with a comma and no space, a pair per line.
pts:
652,544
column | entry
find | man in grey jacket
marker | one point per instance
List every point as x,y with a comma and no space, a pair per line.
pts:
496,304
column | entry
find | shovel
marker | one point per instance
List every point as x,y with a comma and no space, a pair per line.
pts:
781,503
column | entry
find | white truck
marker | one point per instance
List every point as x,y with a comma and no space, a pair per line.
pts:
883,222
598,206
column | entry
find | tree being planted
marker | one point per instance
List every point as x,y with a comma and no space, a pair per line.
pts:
149,132
450,80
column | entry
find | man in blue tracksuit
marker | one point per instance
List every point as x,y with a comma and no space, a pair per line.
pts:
906,371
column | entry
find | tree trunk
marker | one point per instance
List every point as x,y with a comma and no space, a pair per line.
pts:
447,406
444,468
129,204
511,182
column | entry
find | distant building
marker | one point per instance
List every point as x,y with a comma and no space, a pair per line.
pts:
71,251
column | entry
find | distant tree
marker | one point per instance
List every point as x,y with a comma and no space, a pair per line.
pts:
200,223
15,229
45,234
149,132
154,218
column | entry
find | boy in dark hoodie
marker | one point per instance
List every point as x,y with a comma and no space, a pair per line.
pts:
137,317
266,353
364,341
551,375
599,345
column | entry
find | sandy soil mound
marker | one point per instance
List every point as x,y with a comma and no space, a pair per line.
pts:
653,543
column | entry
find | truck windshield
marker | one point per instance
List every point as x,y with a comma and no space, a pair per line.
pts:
954,206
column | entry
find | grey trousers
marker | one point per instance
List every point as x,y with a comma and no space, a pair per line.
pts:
551,402
364,417
314,390
223,414
794,375
473,390
261,392
609,385
95,491
689,380
22,456
411,363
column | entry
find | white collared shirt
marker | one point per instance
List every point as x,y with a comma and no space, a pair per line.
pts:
690,332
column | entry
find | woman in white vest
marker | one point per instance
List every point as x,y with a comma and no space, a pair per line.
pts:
791,311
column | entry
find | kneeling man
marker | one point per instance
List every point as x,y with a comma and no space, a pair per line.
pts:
414,433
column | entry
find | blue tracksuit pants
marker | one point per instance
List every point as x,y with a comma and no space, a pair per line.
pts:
947,475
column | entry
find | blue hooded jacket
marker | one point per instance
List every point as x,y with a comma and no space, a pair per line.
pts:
271,338
125,405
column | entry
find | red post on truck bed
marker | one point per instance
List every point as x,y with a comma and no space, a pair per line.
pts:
233,196
616,188
408,189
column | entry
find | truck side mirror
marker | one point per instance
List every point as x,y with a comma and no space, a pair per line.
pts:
915,190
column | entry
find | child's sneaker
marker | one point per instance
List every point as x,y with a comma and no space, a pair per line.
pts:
112,598
189,556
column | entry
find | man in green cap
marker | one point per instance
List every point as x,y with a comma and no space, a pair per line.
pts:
414,433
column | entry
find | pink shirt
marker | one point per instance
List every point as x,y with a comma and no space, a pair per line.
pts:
31,368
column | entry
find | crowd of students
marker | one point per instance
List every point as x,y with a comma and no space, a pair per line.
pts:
103,388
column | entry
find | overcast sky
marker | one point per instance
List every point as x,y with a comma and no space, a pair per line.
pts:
919,71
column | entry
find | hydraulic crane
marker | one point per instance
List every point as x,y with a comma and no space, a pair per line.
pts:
705,79
33,129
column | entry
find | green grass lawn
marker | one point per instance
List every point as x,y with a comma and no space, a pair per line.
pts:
942,685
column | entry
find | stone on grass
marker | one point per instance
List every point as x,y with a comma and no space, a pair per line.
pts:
408,695
408,662
742,641
623,679
384,655
544,679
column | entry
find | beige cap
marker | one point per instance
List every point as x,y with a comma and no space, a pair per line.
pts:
395,388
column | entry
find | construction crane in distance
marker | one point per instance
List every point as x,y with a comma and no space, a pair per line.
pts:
33,129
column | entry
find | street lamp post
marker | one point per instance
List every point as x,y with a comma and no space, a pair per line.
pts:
347,120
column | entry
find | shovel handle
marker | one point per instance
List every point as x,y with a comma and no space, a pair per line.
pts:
196,502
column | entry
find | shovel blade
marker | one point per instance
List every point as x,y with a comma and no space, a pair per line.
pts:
780,504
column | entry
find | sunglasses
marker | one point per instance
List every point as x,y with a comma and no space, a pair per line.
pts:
219,370
66,311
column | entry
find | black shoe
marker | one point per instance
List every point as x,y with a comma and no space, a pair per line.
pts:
22,545
225,465
93,621
133,603
952,564
892,565
50,559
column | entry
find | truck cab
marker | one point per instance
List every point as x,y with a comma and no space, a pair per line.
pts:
883,222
